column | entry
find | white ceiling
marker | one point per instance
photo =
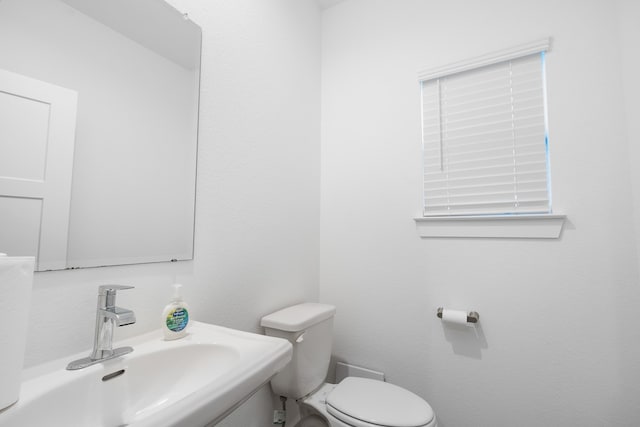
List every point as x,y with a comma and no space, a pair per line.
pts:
324,4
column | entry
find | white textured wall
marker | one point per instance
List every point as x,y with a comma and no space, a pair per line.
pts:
558,343
257,219
629,30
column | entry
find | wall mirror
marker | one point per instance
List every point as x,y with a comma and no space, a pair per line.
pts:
98,131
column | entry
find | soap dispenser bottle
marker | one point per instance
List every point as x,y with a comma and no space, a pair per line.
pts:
175,316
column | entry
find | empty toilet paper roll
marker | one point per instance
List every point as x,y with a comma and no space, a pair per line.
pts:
454,316
16,281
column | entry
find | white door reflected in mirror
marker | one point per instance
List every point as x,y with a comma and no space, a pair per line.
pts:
37,132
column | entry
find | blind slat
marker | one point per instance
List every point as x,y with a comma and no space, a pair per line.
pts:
485,171
487,209
470,147
490,187
493,197
499,123
484,163
494,135
535,201
434,152
489,178
528,98
487,91
478,108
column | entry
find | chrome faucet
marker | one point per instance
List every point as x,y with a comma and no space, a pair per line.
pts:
107,316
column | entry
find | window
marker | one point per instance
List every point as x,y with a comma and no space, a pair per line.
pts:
485,135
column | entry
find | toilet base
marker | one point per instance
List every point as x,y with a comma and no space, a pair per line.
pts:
312,408
312,420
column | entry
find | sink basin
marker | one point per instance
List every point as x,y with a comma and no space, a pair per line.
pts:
193,381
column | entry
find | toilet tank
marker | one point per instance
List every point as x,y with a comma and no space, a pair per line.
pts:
308,327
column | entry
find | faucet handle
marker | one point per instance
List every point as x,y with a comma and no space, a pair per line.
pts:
107,295
111,289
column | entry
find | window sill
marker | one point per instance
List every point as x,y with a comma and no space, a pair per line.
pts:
534,226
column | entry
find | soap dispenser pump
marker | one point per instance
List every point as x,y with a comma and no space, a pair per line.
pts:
175,316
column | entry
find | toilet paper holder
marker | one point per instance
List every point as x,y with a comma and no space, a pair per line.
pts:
472,316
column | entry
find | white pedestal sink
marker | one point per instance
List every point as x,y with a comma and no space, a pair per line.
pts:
194,381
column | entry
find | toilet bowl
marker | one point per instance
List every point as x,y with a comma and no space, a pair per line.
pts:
354,402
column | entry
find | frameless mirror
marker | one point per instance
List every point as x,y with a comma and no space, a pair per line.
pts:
98,131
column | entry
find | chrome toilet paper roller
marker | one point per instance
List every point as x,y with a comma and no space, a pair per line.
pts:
459,317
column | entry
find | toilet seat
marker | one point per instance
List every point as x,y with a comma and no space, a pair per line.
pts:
362,402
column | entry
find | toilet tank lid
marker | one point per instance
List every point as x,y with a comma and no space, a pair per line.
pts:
298,317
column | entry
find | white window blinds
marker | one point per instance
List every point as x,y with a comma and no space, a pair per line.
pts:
485,140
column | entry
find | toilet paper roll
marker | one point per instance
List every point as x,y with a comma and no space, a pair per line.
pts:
16,281
458,317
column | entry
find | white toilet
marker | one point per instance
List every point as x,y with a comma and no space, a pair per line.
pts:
355,402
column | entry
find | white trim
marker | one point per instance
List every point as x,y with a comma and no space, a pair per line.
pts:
542,45
115,261
534,226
